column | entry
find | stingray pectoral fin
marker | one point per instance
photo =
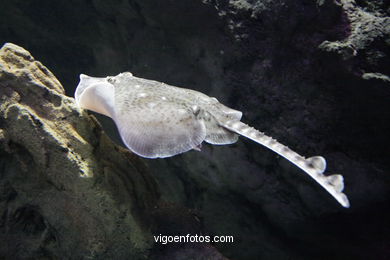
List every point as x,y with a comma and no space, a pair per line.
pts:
313,166
156,133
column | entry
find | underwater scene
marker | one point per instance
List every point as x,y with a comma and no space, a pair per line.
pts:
213,129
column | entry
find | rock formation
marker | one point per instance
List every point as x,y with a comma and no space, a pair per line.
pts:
66,190
313,74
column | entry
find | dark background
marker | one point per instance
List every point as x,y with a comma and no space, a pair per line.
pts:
311,74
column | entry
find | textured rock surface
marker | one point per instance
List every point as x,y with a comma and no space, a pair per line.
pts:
313,74
366,43
66,190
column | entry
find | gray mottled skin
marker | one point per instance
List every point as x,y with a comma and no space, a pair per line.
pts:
158,120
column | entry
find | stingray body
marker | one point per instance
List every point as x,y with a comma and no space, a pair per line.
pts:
156,120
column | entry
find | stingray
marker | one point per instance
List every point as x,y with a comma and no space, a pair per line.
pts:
156,120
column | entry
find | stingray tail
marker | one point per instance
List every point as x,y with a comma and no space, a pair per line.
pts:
313,166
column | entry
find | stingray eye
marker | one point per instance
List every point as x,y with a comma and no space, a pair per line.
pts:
111,80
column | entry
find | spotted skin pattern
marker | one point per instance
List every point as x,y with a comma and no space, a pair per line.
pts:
156,120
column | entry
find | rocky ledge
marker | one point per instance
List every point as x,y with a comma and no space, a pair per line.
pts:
66,190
